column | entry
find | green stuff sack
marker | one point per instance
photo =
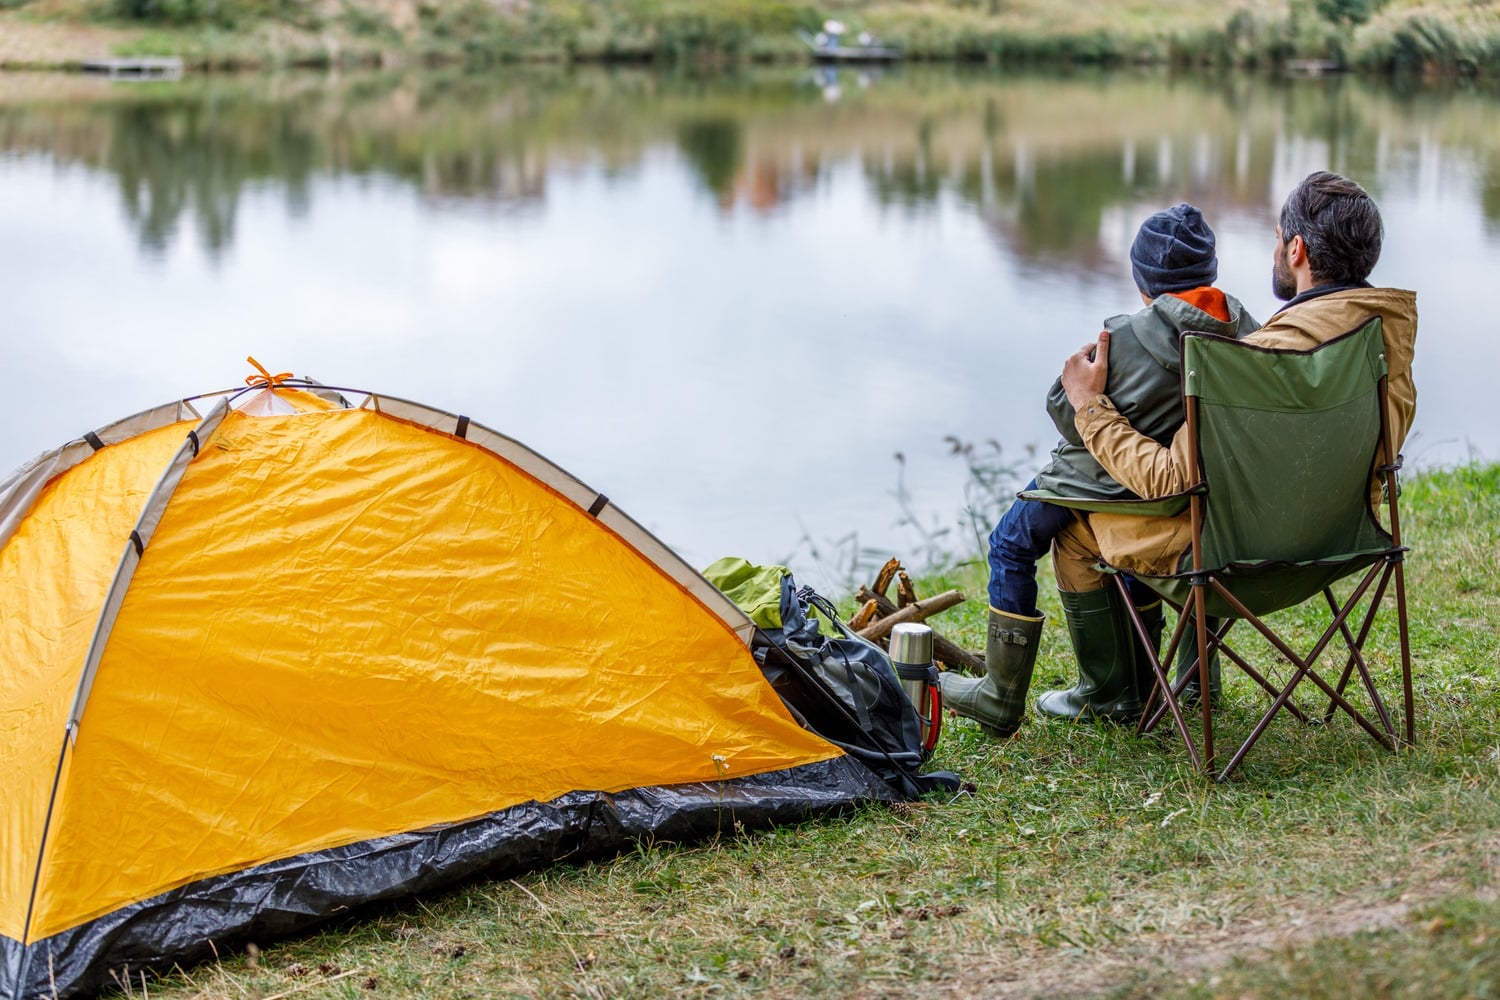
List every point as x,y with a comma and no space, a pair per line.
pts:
758,592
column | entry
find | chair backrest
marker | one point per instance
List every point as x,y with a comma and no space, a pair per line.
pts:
1287,443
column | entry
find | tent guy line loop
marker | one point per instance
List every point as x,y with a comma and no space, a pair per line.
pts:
264,380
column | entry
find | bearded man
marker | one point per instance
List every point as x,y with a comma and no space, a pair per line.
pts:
1327,242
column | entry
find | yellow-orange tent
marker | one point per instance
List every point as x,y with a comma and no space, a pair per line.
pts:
267,654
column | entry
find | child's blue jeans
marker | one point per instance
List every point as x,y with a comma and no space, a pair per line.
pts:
1019,541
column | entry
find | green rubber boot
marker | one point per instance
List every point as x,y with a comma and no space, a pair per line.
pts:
997,701
1104,644
1187,663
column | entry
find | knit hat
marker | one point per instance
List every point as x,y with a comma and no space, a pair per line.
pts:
1174,251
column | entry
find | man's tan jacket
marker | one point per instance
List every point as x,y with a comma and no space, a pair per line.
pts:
1153,545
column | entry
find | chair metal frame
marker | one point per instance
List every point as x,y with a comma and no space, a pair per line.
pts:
1388,565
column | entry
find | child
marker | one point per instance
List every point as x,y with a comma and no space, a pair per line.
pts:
1175,266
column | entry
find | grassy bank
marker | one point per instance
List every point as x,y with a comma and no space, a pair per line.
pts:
1429,36
1085,860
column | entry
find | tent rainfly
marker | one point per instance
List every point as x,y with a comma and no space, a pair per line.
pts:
269,653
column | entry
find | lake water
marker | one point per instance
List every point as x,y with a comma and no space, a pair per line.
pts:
728,303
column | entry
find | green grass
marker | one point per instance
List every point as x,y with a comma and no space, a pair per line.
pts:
1083,859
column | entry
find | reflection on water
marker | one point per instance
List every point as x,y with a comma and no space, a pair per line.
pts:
1043,159
732,300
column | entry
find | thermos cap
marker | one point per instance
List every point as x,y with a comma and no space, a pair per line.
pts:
911,643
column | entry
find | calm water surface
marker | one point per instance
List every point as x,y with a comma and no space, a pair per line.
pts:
728,304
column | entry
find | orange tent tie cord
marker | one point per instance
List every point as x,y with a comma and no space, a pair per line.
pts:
265,380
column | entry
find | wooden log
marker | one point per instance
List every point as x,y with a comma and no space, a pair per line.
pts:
886,575
947,652
867,613
919,611
905,592
953,656
913,613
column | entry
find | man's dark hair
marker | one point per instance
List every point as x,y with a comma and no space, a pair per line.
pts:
1339,224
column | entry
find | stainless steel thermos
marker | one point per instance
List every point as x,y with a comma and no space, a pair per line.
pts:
911,655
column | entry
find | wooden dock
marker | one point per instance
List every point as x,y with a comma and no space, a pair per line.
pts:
141,67
855,54
827,49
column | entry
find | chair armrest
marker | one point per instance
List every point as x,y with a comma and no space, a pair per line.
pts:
1168,506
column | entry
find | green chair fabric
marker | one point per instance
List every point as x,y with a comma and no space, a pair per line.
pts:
1287,443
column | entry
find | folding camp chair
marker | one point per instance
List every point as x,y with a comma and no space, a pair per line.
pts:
1284,448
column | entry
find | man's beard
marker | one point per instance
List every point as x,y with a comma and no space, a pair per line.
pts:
1283,281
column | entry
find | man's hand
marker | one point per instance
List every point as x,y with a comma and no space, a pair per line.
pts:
1084,373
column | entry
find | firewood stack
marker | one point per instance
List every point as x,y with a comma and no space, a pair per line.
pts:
877,615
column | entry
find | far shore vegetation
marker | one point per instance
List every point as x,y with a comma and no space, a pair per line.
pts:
1429,37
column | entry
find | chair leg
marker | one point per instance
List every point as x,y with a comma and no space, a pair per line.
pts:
1401,625
1210,641
1217,644
1152,715
1356,659
1186,664
1163,683
1304,667
1205,704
